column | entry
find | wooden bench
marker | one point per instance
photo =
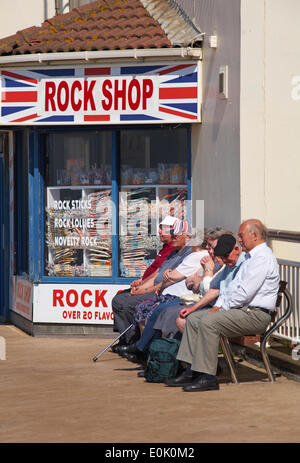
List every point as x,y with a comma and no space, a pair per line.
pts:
276,322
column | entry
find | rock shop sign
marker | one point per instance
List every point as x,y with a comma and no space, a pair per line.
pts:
153,93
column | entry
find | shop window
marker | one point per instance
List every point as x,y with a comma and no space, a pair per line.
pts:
81,206
79,226
153,167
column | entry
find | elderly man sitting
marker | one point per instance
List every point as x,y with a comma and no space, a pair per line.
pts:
244,308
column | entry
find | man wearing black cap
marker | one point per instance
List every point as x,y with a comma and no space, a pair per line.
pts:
232,257
244,307
228,247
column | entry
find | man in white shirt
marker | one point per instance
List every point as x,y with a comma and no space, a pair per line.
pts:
243,308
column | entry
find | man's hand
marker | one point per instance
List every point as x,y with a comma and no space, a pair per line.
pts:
214,309
135,283
185,312
137,290
207,263
158,289
192,282
166,275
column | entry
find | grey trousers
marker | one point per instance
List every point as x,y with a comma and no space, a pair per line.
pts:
200,341
123,307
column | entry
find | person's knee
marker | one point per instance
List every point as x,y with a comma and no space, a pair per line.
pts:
118,301
206,322
192,320
180,323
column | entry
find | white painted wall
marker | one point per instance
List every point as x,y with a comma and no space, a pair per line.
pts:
215,142
20,14
246,160
270,116
252,110
282,114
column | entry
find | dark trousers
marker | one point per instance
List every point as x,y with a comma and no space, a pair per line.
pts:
123,307
149,332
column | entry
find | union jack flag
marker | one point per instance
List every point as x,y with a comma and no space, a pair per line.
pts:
178,94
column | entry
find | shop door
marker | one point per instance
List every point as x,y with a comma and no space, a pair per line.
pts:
4,282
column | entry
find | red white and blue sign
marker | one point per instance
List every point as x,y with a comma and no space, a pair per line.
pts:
128,94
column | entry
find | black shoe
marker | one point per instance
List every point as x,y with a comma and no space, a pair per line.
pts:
183,379
141,374
116,348
202,383
131,349
134,358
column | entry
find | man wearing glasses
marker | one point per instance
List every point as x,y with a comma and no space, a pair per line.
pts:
243,308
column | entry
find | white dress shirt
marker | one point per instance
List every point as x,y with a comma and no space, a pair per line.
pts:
188,267
256,283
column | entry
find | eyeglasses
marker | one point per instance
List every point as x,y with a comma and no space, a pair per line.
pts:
210,246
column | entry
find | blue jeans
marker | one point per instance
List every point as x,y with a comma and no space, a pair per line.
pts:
149,332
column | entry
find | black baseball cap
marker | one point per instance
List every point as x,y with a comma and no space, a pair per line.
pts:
225,245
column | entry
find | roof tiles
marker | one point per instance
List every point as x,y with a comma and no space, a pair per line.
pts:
103,25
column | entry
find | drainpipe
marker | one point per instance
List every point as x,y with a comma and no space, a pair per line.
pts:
57,7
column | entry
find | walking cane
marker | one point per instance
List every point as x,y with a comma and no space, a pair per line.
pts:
97,356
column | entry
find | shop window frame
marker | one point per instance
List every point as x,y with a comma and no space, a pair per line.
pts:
22,261
37,188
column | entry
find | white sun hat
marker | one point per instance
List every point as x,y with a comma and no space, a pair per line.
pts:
168,220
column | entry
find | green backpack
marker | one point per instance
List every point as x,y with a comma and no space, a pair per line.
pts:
162,363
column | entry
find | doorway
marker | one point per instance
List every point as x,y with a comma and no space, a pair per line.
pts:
4,228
